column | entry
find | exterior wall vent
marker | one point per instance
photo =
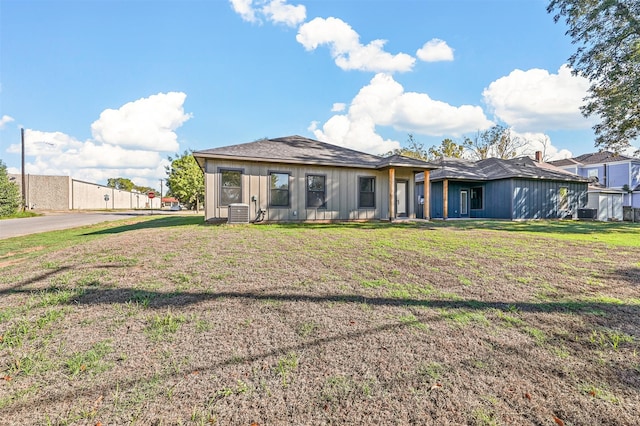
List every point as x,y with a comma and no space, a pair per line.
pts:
238,213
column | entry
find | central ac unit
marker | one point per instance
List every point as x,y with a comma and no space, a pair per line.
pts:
238,213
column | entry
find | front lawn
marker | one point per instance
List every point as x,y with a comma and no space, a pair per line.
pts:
170,321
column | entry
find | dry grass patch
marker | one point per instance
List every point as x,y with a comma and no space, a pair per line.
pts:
322,324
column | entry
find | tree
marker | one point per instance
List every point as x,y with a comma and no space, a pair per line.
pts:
10,198
607,33
415,149
120,183
545,145
498,141
447,148
185,180
143,189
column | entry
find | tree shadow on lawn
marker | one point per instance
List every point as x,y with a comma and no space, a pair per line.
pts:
156,299
65,395
161,222
632,275
15,288
159,299
546,226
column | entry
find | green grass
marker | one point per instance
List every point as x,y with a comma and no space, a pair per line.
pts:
21,214
37,244
163,326
612,233
88,361
286,365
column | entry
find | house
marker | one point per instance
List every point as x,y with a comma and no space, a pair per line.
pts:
299,179
607,171
170,202
515,189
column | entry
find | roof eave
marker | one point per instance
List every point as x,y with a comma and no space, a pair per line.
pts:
280,160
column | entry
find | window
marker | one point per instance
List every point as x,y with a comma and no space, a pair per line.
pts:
316,191
592,174
476,199
367,192
279,189
231,187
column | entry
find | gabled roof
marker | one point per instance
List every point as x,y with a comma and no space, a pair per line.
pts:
564,162
300,150
592,158
496,168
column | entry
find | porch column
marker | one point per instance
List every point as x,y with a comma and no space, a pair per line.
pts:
392,194
426,207
445,199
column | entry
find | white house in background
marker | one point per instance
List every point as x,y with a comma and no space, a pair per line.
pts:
615,181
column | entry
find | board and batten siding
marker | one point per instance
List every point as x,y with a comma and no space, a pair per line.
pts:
509,198
341,191
540,199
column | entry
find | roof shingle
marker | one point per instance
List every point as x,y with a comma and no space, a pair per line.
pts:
300,150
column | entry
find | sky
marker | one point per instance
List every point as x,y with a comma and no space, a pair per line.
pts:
114,88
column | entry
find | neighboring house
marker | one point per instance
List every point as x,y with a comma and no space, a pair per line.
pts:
515,189
170,202
299,179
607,170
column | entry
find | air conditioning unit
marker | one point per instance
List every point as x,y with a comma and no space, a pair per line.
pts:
238,213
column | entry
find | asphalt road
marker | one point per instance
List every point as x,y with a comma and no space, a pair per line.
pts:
55,221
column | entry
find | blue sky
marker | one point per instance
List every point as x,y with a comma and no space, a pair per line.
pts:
112,88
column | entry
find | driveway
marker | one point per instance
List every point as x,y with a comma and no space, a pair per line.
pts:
55,221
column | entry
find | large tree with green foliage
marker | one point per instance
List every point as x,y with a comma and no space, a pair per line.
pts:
9,193
126,184
185,179
607,33
448,148
120,183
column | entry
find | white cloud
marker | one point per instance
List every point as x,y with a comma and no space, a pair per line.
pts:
435,50
383,102
346,49
279,12
541,142
119,147
536,101
359,135
37,143
245,9
276,11
338,107
147,123
5,120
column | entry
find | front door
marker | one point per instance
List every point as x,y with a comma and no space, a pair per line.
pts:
401,199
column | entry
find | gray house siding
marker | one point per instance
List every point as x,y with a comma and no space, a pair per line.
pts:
342,191
514,199
540,199
497,201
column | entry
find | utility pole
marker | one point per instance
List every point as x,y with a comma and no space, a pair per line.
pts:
24,183
161,193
